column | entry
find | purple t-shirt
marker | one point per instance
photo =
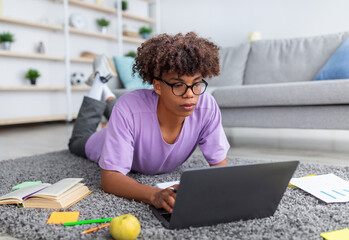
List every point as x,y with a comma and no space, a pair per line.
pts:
132,139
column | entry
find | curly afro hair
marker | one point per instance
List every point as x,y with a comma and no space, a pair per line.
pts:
182,54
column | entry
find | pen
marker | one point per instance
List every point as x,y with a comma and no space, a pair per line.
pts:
88,221
95,228
173,189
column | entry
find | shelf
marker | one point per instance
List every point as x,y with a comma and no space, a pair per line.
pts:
59,28
30,88
137,18
39,56
133,40
4,53
45,26
109,10
80,88
51,118
92,6
81,60
92,34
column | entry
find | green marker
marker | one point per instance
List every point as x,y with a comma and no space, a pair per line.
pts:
88,221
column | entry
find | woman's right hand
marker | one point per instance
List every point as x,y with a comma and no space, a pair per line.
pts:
164,198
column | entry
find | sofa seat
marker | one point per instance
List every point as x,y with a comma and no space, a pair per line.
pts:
309,93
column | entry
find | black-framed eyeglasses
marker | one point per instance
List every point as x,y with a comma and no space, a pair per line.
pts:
179,88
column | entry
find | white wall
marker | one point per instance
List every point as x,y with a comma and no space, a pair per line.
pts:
228,22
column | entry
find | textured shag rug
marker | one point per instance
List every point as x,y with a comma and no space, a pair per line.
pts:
299,215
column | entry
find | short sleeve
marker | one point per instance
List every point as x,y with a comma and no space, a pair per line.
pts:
118,150
212,141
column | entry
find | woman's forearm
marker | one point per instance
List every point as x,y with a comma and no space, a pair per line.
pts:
124,186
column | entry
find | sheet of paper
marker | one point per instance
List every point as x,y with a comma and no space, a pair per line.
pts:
329,187
63,217
342,234
293,186
26,184
166,184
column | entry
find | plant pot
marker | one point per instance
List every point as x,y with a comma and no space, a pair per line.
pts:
32,81
145,35
103,30
6,46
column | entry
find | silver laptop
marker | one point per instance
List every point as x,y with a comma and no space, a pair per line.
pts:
213,195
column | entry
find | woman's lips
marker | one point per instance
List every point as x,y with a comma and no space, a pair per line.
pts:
188,107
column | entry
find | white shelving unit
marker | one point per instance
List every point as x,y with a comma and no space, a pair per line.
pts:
60,100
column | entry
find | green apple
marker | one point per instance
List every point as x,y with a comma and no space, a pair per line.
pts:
125,227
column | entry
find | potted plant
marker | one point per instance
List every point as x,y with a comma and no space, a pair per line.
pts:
145,32
131,54
6,39
32,75
124,5
103,25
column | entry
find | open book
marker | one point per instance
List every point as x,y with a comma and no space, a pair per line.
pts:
62,194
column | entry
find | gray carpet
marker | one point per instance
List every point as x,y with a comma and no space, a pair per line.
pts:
299,215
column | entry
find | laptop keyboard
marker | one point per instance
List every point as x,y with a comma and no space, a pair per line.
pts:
167,216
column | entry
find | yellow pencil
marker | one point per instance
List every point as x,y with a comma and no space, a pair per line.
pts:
95,228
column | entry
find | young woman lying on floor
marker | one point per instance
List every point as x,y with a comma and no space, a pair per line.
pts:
153,131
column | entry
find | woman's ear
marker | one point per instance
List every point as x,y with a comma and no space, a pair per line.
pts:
157,86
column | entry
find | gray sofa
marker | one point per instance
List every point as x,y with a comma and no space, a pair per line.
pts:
268,84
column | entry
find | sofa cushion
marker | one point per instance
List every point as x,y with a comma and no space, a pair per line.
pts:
289,60
232,61
123,66
337,66
284,94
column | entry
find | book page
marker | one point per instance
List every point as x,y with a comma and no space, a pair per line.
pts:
17,195
59,187
71,191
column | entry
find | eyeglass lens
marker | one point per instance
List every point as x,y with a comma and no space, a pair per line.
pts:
181,88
